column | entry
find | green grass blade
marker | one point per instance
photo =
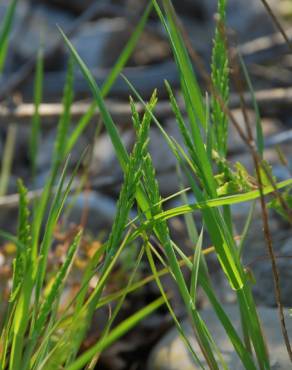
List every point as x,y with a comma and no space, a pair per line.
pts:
20,269
204,339
205,282
68,345
127,51
55,211
7,158
217,202
36,120
189,83
64,122
124,205
259,130
5,31
246,227
120,150
189,221
80,127
54,292
172,313
116,333
110,126
212,203
58,157
111,78
195,269
193,98
118,307
24,238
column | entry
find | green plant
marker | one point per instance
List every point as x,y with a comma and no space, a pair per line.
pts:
35,333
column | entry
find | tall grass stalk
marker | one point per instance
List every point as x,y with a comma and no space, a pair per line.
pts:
7,159
36,119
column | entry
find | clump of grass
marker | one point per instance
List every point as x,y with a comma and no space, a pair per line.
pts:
35,333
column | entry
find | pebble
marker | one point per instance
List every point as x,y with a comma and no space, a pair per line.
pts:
171,354
264,288
40,29
270,127
100,209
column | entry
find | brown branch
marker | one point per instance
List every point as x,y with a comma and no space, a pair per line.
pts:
23,112
276,276
120,111
277,23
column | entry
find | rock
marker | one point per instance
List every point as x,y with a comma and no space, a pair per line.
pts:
93,39
262,270
194,8
19,15
40,28
104,160
100,43
281,172
20,11
163,159
100,209
46,149
244,16
171,354
270,126
75,6
20,154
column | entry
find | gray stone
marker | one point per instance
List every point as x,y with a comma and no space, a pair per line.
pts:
47,147
163,159
262,270
72,5
171,354
243,18
41,29
245,15
93,39
100,210
104,160
270,127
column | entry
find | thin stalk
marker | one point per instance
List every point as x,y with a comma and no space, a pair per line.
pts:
7,158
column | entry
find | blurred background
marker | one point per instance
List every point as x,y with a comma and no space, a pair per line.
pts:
100,29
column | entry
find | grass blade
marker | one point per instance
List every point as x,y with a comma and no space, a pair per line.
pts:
116,333
5,31
7,158
111,78
259,130
51,297
195,268
36,120
110,126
